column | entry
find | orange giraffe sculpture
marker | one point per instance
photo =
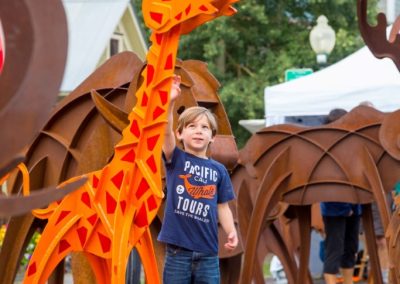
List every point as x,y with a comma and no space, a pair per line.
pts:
111,213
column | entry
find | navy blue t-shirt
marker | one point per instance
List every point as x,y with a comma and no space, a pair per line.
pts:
194,188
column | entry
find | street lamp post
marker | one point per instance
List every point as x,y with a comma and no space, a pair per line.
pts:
322,39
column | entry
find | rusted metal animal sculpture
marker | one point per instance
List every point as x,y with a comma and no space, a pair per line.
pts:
349,160
32,74
29,83
376,40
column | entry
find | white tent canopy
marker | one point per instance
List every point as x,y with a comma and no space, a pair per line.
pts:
358,77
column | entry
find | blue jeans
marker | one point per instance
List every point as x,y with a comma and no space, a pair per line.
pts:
185,266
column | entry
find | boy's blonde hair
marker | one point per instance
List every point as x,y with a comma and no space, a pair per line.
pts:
192,113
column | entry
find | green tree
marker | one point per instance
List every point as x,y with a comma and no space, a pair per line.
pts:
252,49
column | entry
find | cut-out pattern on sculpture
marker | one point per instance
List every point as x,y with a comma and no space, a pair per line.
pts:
351,160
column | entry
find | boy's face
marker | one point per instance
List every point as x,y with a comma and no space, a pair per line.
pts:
196,136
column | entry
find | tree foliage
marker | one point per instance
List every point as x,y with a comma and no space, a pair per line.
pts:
252,49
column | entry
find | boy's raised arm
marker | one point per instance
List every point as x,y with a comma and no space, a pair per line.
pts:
169,140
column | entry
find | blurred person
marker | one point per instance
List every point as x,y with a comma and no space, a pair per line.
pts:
342,225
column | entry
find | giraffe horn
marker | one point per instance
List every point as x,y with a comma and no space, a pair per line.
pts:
114,116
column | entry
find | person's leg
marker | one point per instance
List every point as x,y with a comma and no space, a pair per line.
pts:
205,269
178,266
330,278
350,248
347,274
334,243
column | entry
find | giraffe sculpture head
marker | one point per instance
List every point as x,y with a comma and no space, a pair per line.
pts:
161,16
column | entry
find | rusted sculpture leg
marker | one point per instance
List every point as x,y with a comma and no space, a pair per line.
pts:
82,272
304,215
19,231
380,196
371,244
281,251
229,275
258,273
245,209
269,194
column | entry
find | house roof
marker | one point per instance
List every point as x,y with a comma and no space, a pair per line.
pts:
91,24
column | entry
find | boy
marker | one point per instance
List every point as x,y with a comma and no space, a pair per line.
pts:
198,191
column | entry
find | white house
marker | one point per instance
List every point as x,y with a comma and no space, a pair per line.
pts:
98,29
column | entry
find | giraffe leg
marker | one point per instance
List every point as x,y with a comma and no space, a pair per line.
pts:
53,246
42,265
146,251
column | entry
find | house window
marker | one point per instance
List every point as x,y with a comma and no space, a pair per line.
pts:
115,44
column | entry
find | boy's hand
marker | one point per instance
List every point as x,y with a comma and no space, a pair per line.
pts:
232,241
175,88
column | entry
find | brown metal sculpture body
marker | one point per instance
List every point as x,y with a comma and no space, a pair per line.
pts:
376,40
77,139
345,161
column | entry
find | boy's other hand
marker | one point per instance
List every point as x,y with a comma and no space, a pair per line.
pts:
175,88
232,241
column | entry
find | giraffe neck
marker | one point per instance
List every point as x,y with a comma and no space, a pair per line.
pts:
142,138
157,78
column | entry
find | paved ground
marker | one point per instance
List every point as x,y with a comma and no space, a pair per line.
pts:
68,280
316,281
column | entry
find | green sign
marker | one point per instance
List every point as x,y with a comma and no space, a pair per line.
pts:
291,74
